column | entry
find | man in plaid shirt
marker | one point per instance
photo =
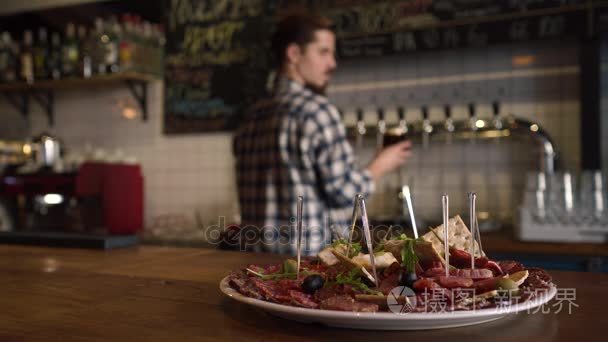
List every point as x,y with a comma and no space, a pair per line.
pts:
294,144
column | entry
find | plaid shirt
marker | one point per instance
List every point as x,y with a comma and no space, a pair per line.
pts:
291,145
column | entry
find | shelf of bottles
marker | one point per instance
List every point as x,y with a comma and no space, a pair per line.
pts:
128,51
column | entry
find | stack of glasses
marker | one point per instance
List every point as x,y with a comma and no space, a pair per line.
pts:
560,208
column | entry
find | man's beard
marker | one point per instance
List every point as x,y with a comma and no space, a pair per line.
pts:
318,90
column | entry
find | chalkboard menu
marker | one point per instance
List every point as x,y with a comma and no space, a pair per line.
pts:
217,58
216,61
367,29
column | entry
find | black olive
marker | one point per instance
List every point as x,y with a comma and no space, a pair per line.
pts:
407,278
312,283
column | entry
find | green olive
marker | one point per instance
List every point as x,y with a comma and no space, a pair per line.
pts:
290,266
506,284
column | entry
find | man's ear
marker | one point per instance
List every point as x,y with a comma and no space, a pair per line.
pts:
293,53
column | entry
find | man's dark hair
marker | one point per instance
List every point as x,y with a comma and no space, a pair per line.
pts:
298,27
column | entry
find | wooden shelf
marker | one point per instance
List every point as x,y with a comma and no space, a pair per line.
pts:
43,92
77,82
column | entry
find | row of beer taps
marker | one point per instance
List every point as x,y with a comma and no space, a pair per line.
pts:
449,129
425,127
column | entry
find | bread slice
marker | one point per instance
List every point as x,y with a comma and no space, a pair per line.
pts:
459,236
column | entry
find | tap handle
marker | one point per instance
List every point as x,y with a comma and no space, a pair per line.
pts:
425,112
380,114
496,108
448,111
471,110
359,114
401,113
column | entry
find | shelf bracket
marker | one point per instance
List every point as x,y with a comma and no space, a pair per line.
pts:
20,101
139,90
46,100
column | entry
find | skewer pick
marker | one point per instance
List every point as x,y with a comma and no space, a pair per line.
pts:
408,199
368,236
473,225
299,232
445,204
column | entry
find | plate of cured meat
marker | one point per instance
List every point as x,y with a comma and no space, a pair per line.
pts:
408,284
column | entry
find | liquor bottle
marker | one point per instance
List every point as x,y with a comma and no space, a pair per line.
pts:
126,47
147,60
70,53
107,46
8,59
86,63
114,34
159,46
54,60
40,54
138,34
26,58
97,48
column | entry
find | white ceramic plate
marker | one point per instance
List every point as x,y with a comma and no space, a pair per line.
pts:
386,320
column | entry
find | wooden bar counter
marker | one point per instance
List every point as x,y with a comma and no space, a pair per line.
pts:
161,293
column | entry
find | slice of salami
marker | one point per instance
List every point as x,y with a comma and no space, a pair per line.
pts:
346,303
510,266
302,299
454,282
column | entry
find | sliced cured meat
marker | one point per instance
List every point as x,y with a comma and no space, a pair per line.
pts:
389,283
302,299
424,284
475,274
270,291
537,279
454,282
496,269
485,285
481,261
346,303
510,266
459,258
393,268
434,272
242,284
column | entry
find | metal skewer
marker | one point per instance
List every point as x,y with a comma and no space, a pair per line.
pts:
405,190
368,236
478,236
352,225
299,231
445,204
473,225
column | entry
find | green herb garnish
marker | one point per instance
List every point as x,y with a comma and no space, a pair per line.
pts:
353,278
409,259
355,247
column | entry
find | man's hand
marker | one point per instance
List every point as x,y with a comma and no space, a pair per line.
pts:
389,159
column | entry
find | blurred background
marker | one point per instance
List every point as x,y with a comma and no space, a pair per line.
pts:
117,116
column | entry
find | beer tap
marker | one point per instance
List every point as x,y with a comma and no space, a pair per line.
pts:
360,129
427,127
381,129
402,122
496,121
449,123
472,117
